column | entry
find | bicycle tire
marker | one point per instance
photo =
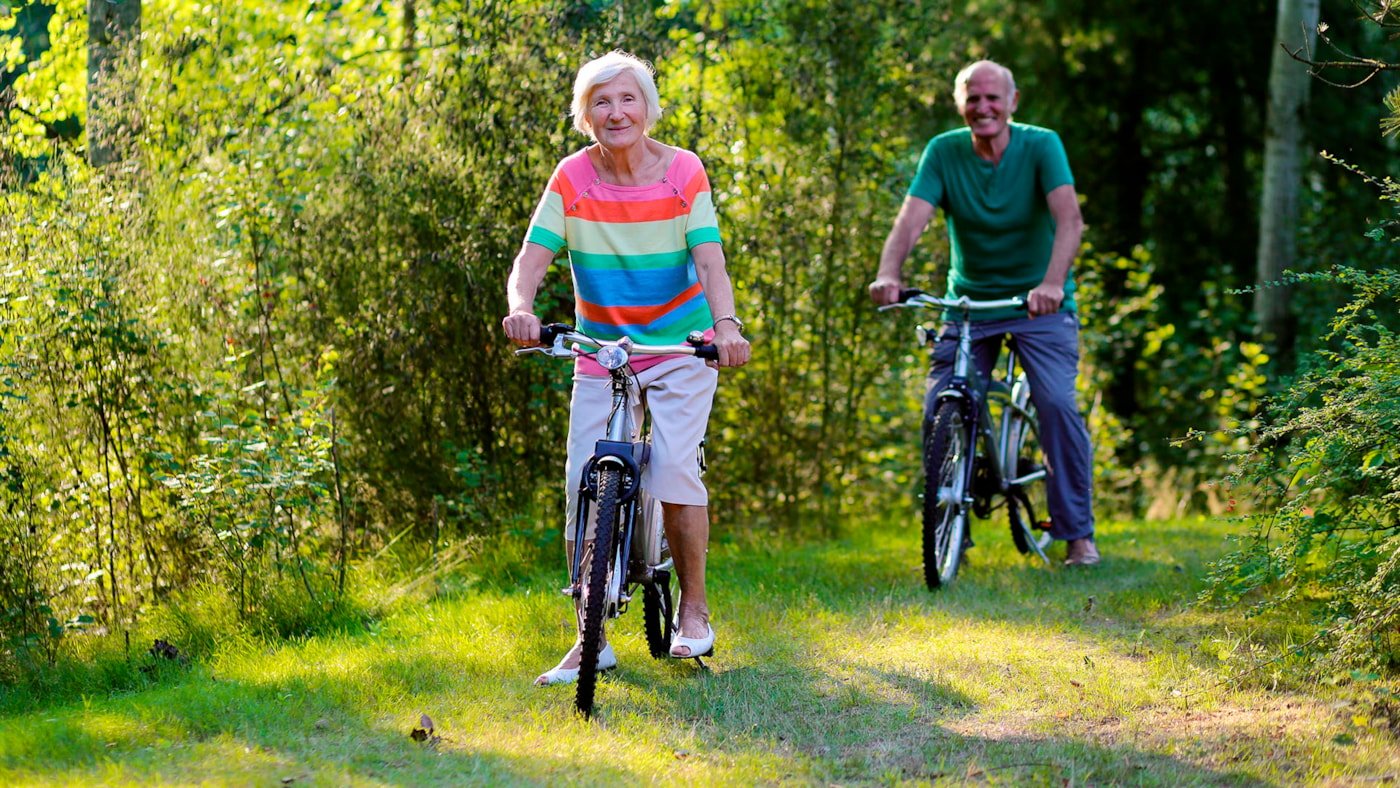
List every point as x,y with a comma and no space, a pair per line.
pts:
947,474
1027,509
594,586
657,612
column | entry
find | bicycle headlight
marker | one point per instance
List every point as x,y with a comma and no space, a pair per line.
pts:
611,357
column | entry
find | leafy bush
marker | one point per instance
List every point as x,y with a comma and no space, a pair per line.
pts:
1200,371
1328,471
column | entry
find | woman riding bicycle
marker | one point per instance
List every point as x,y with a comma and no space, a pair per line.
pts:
637,220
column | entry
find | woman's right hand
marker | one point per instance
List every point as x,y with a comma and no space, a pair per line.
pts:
523,328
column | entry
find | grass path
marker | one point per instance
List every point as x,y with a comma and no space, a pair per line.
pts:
833,666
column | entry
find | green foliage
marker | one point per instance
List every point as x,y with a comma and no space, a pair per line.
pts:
1212,385
1327,463
807,170
1329,468
267,344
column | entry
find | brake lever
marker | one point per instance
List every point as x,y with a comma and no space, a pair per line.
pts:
553,351
898,305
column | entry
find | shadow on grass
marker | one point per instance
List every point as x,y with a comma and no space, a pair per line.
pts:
800,724
238,732
888,725
1142,580
770,711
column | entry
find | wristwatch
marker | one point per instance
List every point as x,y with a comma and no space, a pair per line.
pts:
731,318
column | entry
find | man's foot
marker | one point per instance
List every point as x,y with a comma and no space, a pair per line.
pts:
1082,552
566,672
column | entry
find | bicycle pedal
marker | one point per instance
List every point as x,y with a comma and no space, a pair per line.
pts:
1042,525
570,592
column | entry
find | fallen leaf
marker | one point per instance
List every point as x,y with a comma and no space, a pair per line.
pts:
424,735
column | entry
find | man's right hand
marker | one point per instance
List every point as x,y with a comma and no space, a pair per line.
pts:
885,291
523,328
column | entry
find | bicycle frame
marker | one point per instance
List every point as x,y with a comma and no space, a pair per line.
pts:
997,438
623,449
1011,392
616,449
966,386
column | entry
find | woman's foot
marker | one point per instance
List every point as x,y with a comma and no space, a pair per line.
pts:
566,672
694,636
685,648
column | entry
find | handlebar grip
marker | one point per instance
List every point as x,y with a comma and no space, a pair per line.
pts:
908,293
709,352
549,331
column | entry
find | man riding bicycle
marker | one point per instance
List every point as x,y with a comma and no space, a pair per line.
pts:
1014,228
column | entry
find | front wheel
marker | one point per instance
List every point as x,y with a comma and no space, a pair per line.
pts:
598,569
947,474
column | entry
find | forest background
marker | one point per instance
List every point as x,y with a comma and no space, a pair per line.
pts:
253,363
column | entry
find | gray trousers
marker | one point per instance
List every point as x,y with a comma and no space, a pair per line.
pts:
1049,350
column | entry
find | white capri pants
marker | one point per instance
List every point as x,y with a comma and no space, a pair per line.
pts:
679,394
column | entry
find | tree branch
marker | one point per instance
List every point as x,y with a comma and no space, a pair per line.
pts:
1350,61
7,100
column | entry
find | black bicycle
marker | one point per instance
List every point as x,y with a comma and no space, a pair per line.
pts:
628,550
981,445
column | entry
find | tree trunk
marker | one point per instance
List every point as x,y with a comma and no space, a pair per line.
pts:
112,26
1283,153
410,36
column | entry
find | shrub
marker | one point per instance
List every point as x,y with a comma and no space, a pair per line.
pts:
1328,473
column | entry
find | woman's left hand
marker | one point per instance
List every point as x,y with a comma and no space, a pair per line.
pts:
733,349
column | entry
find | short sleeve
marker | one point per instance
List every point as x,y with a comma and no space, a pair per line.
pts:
701,223
1052,165
928,181
547,225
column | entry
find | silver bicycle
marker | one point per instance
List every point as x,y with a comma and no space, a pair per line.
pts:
981,445
628,551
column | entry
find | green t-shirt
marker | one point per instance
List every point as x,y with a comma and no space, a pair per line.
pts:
999,226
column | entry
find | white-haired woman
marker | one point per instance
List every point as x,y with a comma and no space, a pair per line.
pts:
638,221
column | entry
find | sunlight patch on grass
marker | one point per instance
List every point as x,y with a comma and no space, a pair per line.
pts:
834,665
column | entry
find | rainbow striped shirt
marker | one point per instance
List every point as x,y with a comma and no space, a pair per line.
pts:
629,248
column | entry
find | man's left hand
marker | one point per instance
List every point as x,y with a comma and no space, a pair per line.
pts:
1045,299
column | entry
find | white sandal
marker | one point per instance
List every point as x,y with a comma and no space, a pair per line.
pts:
699,647
559,674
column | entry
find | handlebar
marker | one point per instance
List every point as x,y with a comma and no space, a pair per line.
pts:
554,336
913,297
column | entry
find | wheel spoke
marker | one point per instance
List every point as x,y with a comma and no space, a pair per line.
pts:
1028,509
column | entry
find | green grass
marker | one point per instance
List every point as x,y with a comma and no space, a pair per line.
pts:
834,665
